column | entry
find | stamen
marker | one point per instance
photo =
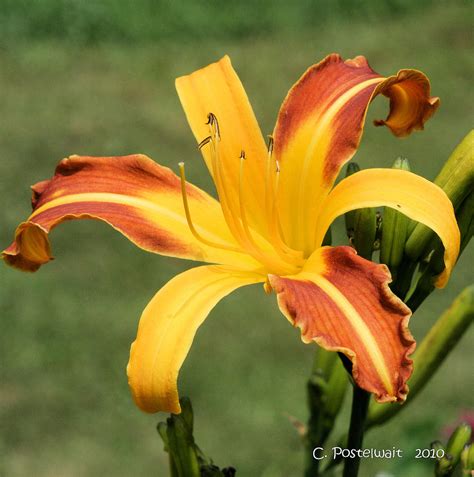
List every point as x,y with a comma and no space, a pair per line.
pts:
212,121
241,199
237,222
187,212
270,145
217,174
261,255
268,184
275,227
205,141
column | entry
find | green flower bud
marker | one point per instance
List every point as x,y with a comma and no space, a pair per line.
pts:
361,224
352,168
457,180
434,264
467,460
161,428
458,440
182,447
395,231
365,229
187,412
465,218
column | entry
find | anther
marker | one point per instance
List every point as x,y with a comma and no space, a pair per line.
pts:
277,166
270,145
205,141
212,121
242,154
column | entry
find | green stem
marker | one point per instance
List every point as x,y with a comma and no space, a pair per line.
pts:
360,405
325,389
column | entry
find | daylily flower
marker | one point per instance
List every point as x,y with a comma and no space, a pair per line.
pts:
275,206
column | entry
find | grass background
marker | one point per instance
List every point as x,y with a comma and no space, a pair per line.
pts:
97,78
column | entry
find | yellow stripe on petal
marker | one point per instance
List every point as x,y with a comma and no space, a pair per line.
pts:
342,302
134,195
358,325
217,89
412,195
167,328
319,128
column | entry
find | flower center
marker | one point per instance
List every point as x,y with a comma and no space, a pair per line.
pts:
271,250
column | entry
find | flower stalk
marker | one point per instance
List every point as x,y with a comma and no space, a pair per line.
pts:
326,389
185,458
360,404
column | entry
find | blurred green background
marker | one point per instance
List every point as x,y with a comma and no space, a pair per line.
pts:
97,78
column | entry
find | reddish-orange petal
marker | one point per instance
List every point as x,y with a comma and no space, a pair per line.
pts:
343,302
320,125
133,194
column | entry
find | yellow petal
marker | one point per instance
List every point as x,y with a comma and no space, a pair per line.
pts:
320,125
217,89
167,328
137,197
412,195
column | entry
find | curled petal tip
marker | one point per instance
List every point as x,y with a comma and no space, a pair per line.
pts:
411,103
30,249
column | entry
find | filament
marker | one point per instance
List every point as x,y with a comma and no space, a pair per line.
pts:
275,226
268,186
285,260
191,226
261,255
217,174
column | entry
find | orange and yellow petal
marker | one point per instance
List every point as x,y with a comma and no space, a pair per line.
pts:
343,303
217,89
167,328
410,194
133,194
320,125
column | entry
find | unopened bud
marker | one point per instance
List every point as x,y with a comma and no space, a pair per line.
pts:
352,168
395,231
365,228
467,460
187,412
458,440
465,219
457,180
181,446
161,428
